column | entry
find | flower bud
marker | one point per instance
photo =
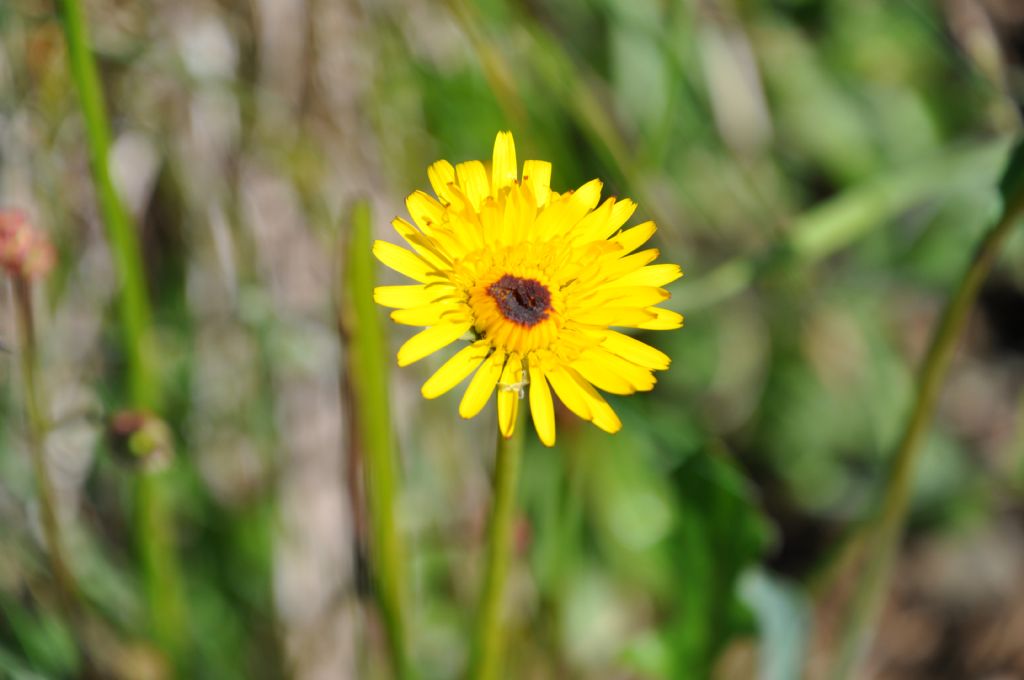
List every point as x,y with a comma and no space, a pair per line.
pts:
141,438
25,252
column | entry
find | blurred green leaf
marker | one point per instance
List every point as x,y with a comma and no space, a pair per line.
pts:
47,643
720,534
1011,187
12,667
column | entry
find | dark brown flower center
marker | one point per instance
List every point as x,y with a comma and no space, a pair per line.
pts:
523,301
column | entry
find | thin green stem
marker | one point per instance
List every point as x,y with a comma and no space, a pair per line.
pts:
489,641
154,529
367,389
124,242
884,535
37,426
155,540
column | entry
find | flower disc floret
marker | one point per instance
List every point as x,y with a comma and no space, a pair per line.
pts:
522,301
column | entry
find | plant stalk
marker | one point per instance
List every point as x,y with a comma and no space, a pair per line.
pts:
133,301
367,390
488,645
884,536
154,528
37,426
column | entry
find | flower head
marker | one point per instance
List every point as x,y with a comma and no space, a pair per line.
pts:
536,281
25,252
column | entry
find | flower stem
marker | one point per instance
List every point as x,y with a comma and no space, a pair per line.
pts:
488,643
154,530
884,536
366,391
133,301
37,426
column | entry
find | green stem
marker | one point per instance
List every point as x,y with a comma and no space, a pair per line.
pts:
884,536
124,242
367,392
488,643
155,540
37,427
154,530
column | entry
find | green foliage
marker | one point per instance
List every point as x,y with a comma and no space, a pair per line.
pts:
43,641
720,534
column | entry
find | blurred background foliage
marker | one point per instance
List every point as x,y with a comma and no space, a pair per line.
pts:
821,168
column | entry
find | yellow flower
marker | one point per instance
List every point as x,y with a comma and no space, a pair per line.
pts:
534,280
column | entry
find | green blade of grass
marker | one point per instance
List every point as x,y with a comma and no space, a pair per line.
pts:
367,363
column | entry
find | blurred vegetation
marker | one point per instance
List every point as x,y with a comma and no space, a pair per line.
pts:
822,169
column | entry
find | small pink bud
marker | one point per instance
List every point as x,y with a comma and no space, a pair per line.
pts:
25,252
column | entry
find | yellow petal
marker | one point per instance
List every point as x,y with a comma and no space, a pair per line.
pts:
455,370
425,247
464,234
602,377
633,238
638,352
604,415
508,395
600,225
504,169
621,212
603,228
622,296
583,201
585,198
431,314
541,407
482,385
593,226
664,320
553,219
425,211
537,176
517,219
562,214
406,297
405,262
491,221
460,203
614,370
473,181
651,275
430,340
569,392
614,316
618,268
441,174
